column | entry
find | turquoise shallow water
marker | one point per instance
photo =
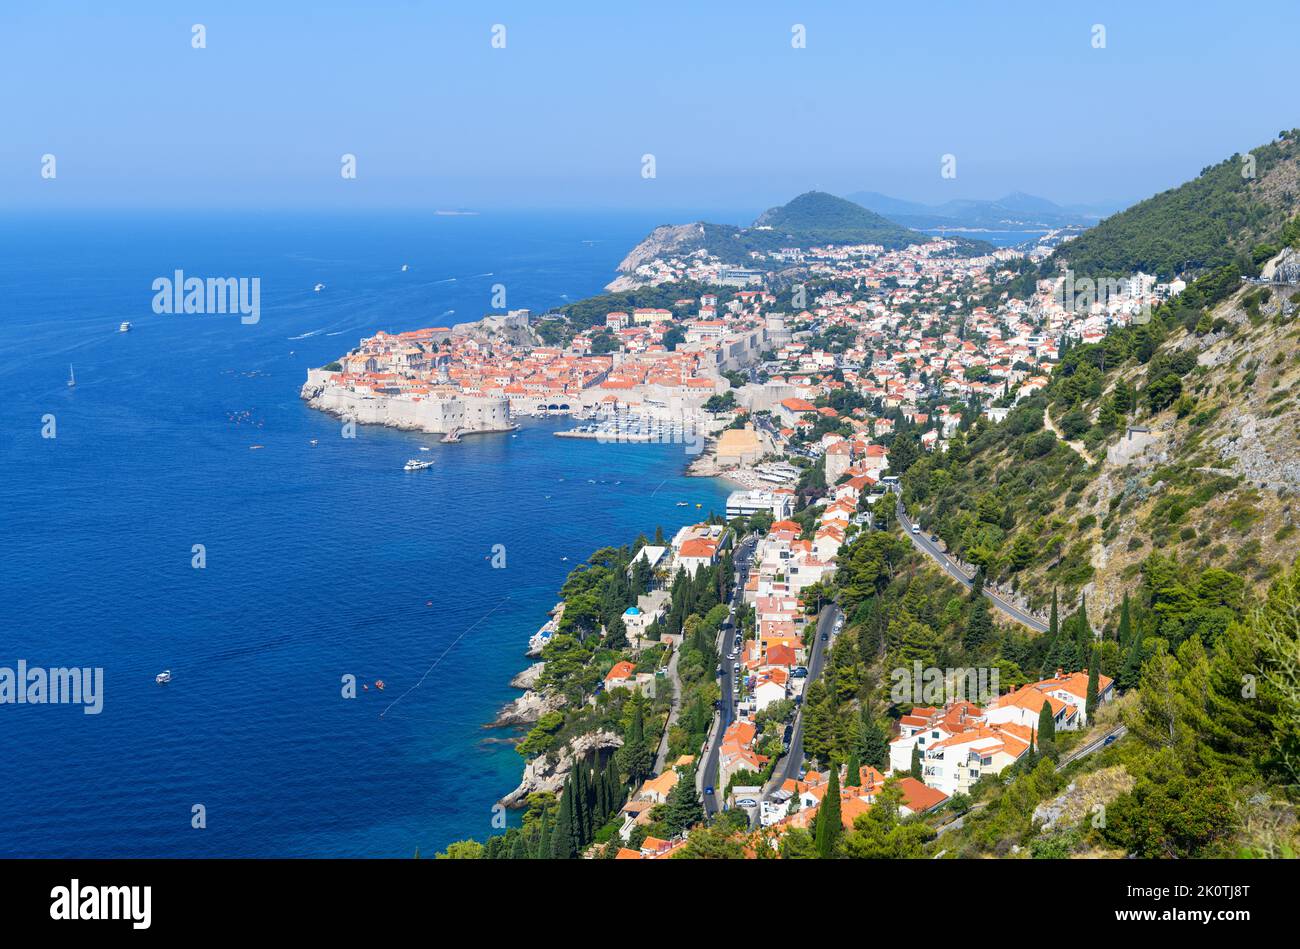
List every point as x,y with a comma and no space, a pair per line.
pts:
320,560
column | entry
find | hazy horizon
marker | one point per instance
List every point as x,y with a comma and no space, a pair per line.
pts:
736,117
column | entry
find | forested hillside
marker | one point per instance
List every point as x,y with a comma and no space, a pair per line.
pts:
1213,220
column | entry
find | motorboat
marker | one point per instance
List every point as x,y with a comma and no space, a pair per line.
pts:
415,464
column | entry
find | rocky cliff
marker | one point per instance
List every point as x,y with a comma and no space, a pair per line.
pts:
545,774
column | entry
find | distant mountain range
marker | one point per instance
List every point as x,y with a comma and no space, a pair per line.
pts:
1013,212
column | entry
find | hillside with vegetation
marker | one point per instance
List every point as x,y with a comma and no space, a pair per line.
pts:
1211,221
1182,441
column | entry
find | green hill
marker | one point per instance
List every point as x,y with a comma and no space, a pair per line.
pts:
1211,221
817,217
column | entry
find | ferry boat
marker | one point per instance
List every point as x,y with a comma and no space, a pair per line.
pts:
163,677
415,464
125,327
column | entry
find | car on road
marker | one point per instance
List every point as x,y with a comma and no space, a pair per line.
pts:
708,791
934,538
1109,739
916,528
825,637
747,802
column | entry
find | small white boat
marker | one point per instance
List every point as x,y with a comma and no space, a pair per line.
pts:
319,287
163,677
424,448
72,379
404,268
125,327
415,464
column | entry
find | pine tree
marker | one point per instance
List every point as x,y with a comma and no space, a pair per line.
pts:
682,809
829,827
873,743
979,627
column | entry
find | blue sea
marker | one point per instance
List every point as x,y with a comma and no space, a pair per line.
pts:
321,562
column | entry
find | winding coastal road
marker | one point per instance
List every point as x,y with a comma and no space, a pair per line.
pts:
923,543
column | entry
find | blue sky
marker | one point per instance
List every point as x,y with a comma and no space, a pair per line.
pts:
735,117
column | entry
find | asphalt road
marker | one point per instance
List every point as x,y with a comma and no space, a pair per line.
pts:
790,765
922,542
1096,744
707,774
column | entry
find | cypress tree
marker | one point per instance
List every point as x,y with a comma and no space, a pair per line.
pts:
1131,672
916,762
564,838
517,849
581,808
1090,702
542,849
828,818
853,770
1046,724
1125,622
